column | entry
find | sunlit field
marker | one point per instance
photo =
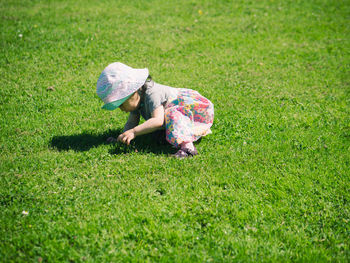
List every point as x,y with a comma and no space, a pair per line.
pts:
271,184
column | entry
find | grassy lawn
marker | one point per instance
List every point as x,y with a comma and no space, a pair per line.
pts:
270,184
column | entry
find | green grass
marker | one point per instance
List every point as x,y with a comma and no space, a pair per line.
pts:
270,184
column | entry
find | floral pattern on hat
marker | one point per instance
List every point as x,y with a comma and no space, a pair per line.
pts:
118,81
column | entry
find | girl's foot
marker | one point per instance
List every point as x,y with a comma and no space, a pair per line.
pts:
191,152
189,148
186,151
180,154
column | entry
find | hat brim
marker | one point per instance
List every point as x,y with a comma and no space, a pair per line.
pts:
115,104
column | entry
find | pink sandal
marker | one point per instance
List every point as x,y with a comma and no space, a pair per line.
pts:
180,154
185,152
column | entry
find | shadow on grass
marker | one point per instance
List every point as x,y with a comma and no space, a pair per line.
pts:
150,143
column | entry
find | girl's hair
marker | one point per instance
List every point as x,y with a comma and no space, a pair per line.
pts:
148,83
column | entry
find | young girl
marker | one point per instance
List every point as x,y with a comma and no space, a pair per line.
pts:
183,113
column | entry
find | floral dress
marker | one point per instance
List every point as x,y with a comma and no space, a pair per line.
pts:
188,115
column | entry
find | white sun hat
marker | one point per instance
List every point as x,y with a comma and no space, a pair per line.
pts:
118,82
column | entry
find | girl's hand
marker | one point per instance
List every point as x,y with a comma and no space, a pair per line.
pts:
127,136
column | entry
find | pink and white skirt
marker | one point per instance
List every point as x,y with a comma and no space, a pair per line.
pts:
188,117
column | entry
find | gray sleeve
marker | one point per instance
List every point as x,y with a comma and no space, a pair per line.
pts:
153,100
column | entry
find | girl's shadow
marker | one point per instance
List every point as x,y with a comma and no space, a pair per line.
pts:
149,143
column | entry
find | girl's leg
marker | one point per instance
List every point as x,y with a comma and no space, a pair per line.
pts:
178,133
189,148
187,120
178,127
187,145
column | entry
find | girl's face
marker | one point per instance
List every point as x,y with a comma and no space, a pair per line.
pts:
131,104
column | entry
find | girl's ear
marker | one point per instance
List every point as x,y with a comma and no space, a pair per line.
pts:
136,95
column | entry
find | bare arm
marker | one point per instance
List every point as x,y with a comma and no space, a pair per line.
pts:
133,121
151,124
148,126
